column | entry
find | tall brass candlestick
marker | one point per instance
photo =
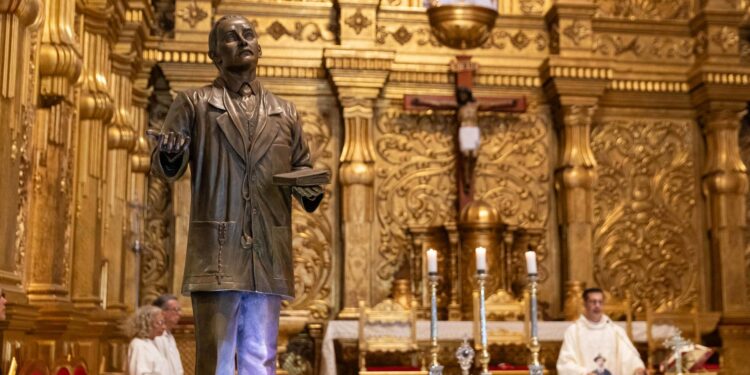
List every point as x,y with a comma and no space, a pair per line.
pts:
435,367
484,356
535,368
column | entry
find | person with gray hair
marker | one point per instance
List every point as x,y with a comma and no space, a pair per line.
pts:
144,358
170,309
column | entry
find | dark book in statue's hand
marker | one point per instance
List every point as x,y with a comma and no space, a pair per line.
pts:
303,177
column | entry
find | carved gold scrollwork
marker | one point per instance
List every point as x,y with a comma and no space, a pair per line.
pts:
358,21
192,14
533,7
577,32
313,232
644,241
726,38
645,47
519,40
308,31
513,168
401,35
642,9
154,272
415,168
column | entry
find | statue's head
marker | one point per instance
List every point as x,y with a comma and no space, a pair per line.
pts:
464,95
233,44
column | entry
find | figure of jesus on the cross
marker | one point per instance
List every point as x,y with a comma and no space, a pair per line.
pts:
467,116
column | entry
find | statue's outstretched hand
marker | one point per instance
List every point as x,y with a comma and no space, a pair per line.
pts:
308,192
170,142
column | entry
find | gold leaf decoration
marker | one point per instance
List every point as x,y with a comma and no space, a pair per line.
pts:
643,47
303,31
577,32
745,156
513,175
513,168
401,35
727,39
192,14
645,242
531,7
415,180
644,9
358,21
313,232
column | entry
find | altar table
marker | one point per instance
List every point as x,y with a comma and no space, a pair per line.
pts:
457,331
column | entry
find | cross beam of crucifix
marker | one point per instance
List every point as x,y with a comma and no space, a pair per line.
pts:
467,108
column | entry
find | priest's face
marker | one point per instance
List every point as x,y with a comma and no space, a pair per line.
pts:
237,47
594,306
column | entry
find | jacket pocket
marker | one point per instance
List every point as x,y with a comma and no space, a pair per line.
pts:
209,242
282,253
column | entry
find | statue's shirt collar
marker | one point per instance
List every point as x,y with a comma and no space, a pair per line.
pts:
234,85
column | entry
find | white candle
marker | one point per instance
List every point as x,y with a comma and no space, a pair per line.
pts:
431,261
531,262
481,259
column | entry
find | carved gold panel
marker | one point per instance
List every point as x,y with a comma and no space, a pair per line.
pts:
313,233
645,239
415,183
644,10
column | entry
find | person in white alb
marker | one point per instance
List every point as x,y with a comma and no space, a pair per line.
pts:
170,308
144,357
595,345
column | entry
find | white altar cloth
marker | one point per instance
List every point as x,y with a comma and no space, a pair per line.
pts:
457,331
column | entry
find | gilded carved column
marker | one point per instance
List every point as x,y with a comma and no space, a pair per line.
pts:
725,184
357,175
50,238
95,109
720,96
121,140
19,22
574,88
358,75
575,178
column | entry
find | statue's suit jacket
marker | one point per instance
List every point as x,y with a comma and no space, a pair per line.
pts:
232,189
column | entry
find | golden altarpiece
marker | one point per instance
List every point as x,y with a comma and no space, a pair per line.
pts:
626,171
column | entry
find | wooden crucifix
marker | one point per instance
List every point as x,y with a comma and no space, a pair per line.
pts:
467,133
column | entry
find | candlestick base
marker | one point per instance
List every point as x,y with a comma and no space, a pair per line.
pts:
536,370
436,370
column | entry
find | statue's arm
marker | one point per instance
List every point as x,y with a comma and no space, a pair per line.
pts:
309,196
172,153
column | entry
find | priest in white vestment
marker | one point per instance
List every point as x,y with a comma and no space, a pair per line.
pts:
170,309
594,345
144,358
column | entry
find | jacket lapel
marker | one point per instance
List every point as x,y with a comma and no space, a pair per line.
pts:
268,127
229,121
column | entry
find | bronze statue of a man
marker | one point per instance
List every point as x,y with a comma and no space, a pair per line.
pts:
235,135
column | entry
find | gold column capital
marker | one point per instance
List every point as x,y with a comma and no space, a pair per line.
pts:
570,28
358,73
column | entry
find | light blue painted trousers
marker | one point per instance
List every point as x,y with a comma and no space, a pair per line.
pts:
233,322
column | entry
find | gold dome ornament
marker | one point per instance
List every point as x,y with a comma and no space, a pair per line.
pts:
462,25
479,212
